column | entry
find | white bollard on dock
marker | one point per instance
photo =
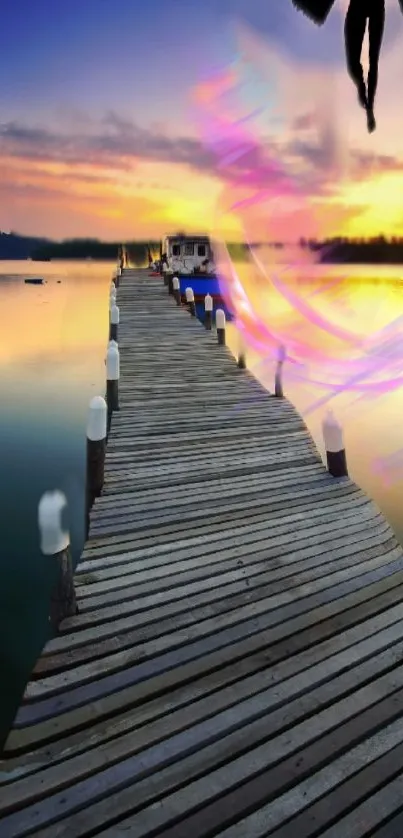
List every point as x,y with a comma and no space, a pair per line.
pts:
96,448
190,300
241,353
112,382
220,325
114,322
208,311
334,445
55,543
176,290
278,377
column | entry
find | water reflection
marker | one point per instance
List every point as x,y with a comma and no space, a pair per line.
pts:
52,345
360,300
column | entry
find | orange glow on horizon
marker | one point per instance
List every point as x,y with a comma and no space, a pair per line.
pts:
114,195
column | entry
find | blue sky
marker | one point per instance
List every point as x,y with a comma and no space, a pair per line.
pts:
127,54
122,72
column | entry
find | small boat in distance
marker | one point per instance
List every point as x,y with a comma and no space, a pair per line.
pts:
191,258
34,280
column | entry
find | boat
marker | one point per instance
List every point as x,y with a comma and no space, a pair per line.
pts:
34,280
191,258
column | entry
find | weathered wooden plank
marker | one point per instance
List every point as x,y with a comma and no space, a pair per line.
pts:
374,811
102,517
214,486
252,536
230,456
343,502
352,608
240,620
173,601
224,511
186,532
203,583
257,705
123,668
321,671
329,731
384,745
312,659
214,471
280,540
353,790
391,828
260,595
282,549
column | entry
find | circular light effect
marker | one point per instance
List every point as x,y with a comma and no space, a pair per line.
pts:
295,302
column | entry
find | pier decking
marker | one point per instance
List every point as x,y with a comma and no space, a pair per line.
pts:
236,667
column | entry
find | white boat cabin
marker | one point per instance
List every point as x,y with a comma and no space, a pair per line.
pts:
187,254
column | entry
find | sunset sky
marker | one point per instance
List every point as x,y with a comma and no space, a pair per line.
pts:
100,129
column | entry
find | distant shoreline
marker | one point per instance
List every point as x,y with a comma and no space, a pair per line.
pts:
376,251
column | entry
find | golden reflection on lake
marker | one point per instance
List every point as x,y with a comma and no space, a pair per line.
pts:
61,316
357,301
52,336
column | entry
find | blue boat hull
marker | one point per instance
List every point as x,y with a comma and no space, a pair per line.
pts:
201,286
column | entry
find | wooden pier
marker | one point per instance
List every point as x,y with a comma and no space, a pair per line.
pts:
236,666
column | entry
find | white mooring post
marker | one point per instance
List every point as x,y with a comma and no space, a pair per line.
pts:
241,352
208,311
176,290
190,300
55,543
278,377
220,325
96,447
112,382
114,322
334,445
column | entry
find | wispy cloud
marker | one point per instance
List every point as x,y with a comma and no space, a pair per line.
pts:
116,141
119,144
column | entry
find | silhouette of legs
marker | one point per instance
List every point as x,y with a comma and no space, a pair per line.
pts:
359,11
354,31
376,27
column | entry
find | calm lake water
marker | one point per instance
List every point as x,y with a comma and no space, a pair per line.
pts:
52,348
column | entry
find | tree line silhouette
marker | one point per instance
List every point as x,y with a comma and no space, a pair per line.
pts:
375,249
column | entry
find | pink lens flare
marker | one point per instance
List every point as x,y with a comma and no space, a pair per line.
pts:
389,469
295,301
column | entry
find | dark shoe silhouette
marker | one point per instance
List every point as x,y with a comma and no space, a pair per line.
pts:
371,121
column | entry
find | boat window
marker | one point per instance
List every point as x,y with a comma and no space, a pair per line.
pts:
176,250
201,250
189,249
